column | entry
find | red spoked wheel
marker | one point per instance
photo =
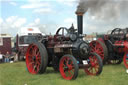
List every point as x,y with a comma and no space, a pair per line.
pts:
36,58
100,48
96,65
68,67
125,59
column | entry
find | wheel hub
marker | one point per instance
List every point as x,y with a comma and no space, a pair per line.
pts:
93,64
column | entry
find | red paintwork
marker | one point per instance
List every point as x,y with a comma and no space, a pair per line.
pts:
33,65
6,45
56,40
93,69
67,66
96,47
125,59
122,43
66,69
100,39
122,48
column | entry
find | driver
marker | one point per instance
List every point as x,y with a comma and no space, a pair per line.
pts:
71,29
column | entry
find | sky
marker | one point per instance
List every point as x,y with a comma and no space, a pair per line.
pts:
49,15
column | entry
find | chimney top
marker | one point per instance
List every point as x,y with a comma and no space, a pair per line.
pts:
80,11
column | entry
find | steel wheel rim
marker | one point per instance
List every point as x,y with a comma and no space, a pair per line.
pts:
33,59
67,68
96,47
125,59
94,68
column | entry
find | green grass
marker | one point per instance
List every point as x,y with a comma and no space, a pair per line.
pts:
16,74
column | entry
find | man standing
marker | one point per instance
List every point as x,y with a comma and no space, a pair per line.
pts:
16,57
7,57
1,58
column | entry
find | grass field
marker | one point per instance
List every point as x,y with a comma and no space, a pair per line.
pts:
16,74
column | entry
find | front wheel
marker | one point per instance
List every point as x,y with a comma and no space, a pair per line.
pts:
95,63
68,67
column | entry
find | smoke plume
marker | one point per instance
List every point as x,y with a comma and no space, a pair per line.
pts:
104,9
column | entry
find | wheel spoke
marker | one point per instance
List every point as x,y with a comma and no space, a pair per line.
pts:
69,73
37,67
38,53
30,64
33,70
100,48
67,67
94,68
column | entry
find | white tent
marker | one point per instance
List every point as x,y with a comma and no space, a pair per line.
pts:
27,30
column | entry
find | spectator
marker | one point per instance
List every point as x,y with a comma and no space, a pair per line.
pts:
16,57
1,58
7,57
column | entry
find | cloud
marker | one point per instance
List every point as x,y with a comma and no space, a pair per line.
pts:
15,21
42,10
92,24
37,20
37,23
13,3
19,22
12,24
69,20
1,20
67,2
38,7
11,19
35,5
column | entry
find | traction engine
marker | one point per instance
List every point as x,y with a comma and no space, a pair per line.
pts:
66,52
113,47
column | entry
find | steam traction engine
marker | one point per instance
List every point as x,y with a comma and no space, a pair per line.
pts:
65,52
113,47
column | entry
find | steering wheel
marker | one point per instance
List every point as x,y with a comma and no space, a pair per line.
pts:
117,32
63,29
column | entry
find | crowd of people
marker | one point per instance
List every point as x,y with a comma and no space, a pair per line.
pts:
7,57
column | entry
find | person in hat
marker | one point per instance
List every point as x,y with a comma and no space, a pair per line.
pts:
7,57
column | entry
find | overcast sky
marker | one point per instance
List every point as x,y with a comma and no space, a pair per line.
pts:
49,15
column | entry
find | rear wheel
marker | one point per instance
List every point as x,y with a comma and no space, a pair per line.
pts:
68,67
96,65
125,59
36,58
100,48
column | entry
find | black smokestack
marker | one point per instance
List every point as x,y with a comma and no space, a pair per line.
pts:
80,23
80,12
